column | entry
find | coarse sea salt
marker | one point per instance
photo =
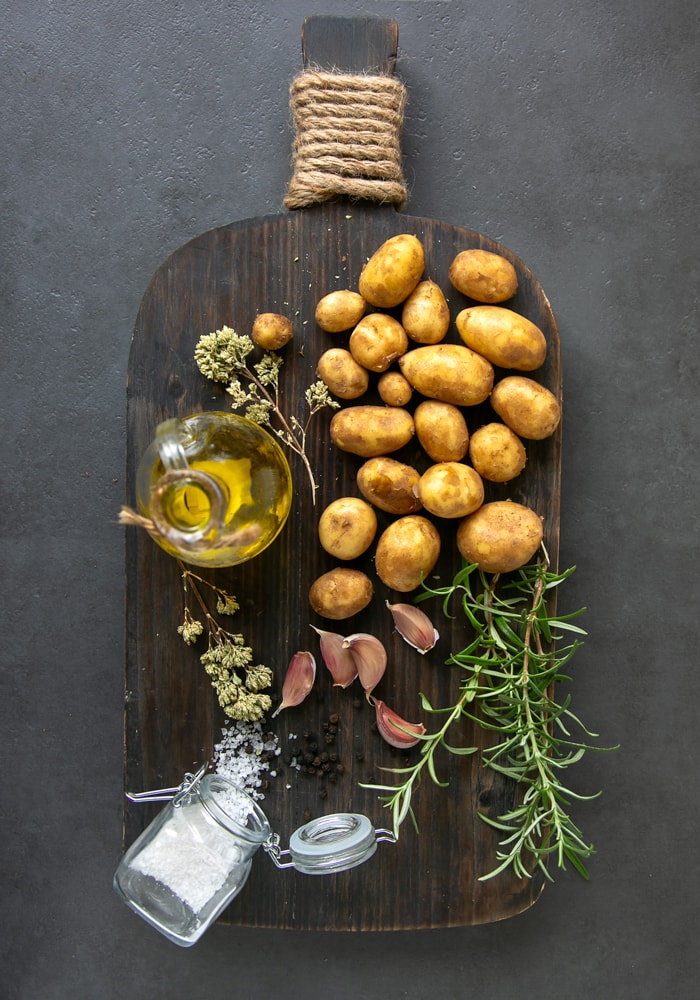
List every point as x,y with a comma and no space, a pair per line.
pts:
192,856
244,756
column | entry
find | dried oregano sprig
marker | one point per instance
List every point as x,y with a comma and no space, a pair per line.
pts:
223,357
239,685
509,671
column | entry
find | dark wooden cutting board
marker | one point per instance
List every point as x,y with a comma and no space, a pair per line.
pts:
285,263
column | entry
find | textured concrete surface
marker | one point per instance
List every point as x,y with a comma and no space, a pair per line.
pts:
569,133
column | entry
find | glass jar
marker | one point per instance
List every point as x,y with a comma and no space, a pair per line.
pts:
216,486
194,858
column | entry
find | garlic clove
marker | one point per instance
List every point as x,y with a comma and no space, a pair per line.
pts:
370,658
414,626
298,681
337,657
395,730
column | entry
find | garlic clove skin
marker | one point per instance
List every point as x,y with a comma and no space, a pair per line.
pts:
395,730
414,626
370,658
337,657
298,681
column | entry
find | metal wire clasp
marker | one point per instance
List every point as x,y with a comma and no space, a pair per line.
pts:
174,795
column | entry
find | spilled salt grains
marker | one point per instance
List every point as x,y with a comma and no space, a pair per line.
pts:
246,756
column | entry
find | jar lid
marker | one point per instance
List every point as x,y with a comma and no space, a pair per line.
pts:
332,844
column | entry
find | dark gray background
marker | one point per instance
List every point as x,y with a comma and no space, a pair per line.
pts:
567,131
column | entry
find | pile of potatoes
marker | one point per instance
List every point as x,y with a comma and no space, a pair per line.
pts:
426,387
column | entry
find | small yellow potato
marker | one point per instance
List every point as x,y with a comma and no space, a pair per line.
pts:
341,593
394,389
500,537
393,271
347,527
506,338
497,453
406,552
342,374
441,430
425,315
527,407
390,485
449,372
271,331
371,430
451,489
377,341
483,276
340,310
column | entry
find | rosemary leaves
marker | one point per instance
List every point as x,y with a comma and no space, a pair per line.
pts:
509,673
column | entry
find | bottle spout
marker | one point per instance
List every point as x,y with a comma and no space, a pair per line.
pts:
188,508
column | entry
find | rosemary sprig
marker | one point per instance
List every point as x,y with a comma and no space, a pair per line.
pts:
223,357
509,671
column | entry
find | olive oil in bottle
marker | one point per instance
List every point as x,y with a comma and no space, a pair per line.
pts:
217,487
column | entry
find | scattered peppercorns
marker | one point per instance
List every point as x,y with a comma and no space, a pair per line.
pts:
312,756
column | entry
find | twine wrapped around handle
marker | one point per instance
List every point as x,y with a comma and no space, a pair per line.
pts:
347,138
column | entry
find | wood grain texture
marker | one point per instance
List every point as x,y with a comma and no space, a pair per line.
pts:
285,263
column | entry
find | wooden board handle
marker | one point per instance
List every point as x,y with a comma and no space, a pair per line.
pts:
350,44
347,108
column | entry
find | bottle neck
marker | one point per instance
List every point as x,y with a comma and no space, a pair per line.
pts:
188,507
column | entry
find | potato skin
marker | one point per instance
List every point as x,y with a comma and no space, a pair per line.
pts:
506,338
527,407
448,372
441,430
393,271
483,276
394,389
497,453
341,593
390,485
347,527
500,537
272,331
344,377
406,552
451,489
425,315
371,430
340,310
377,341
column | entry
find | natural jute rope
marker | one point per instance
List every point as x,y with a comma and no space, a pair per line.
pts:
347,138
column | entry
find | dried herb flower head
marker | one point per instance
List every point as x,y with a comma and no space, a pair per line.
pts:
223,356
240,686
